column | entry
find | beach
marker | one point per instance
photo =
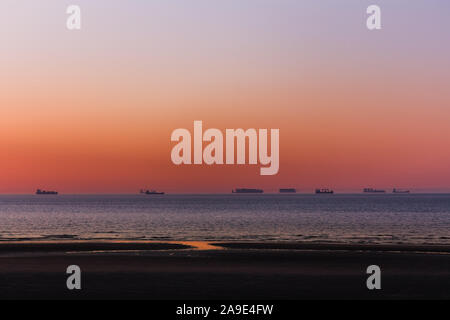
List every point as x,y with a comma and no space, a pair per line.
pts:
225,246
232,270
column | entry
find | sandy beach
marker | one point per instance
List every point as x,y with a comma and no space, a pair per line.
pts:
134,270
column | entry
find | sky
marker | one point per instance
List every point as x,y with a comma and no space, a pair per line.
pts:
92,111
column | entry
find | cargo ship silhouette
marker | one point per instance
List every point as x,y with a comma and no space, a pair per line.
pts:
288,190
400,191
371,190
44,192
324,191
151,192
245,190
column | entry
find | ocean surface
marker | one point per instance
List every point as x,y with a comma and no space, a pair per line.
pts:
415,219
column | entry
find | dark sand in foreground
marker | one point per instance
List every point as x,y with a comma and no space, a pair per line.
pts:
241,271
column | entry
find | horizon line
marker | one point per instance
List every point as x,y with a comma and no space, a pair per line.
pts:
223,193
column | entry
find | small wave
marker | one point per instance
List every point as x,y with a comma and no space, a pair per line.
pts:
59,236
106,232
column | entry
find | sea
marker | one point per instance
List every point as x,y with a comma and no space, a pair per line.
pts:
338,218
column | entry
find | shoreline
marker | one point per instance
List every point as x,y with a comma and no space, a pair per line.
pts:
150,245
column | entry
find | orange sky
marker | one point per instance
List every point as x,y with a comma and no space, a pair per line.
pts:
93,112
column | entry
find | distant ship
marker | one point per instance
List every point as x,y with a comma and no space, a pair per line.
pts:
324,191
39,191
151,192
400,191
244,190
288,190
371,190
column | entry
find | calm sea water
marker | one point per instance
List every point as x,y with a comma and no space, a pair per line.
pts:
320,218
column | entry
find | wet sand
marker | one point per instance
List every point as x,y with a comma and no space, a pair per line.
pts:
84,246
429,248
136,270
